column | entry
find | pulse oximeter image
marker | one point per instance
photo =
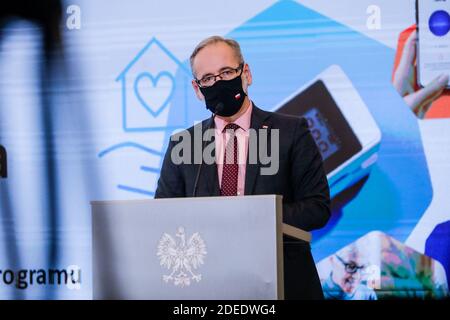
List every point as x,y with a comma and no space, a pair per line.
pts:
340,123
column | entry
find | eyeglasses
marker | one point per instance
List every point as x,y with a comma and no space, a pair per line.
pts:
350,267
226,74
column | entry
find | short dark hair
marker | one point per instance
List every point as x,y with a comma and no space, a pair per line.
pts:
213,40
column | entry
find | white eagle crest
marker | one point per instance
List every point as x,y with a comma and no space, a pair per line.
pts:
182,257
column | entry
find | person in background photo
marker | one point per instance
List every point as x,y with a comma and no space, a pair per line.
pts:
345,281
431,101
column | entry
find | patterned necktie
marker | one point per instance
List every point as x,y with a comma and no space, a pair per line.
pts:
230,164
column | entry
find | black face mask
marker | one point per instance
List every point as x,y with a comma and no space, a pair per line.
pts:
225,97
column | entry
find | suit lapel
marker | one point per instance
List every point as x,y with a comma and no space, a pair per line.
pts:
209,173
257,122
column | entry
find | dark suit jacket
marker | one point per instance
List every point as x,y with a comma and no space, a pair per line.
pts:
301,180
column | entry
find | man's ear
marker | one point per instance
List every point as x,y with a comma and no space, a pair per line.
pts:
248,74
198,93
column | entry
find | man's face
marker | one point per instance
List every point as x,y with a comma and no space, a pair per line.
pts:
348,281
212,60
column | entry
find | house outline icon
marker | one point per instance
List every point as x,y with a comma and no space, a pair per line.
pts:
122,79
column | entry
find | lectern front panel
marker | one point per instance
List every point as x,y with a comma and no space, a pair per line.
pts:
189,248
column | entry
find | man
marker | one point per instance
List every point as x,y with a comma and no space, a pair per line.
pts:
221,79
345,281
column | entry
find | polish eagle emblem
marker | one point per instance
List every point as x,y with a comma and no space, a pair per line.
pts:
181,257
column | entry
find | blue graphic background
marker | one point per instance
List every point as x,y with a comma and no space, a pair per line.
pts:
76,141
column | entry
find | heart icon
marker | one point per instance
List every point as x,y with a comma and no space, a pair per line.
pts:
154,93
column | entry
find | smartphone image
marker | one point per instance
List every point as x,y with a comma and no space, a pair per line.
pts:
433,46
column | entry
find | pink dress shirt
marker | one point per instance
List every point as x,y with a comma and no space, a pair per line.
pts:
221,139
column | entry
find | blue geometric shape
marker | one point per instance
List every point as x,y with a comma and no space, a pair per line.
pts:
136,190
438,244
140,147
155,111
180,82
130,144
439,23
153,41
